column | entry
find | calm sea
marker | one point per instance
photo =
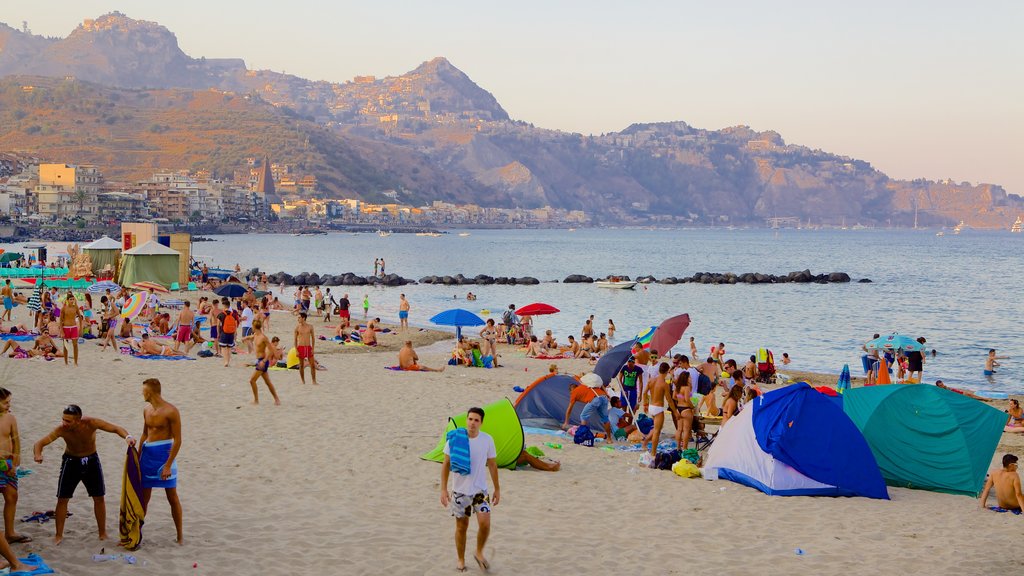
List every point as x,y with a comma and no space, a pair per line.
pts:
963,293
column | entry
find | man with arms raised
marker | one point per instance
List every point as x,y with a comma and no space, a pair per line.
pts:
71,325
469,491
160,440
80,463
305,339
1007,485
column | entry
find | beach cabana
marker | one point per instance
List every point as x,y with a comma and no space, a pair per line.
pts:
543,403
103,252
501,422
795,441
925,437
150,262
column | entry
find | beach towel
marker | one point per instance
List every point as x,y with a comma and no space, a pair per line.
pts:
131,515
998,509
562,357
36,564
18,337
458,451
159,357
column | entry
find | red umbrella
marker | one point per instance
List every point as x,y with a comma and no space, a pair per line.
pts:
669,332
537,309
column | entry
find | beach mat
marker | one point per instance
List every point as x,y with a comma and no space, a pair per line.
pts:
36,563
18,337
998,509
159,357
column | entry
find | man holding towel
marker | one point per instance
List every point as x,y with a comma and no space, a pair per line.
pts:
160,441
469,491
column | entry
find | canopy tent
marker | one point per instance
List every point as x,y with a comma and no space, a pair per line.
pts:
795,441
103,252
926,437
152,262
501,422
543,403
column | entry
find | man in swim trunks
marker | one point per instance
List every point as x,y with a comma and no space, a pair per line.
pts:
369,336
403,313
211,318
469,491
306,299
160,441
409,360
342,308
264,360
991,362
1007,485
185,319
10,459
226,337
305,340
8,295
80,463
660,392
71,324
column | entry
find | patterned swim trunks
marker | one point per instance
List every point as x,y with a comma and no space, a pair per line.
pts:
8,473
464,505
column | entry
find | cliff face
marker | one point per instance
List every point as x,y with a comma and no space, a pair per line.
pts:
433,134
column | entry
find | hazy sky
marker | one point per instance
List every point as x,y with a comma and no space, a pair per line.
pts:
930,89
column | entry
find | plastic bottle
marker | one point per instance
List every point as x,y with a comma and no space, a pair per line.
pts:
554,445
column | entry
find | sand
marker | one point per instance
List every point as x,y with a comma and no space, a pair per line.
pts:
331,483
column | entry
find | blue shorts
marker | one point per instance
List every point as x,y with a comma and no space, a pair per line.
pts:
629,397
596,412
989,372
151,461
403,314
8,303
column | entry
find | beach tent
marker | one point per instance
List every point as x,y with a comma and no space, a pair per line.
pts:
150,262
926,437
103,252
795,441
501,422
543,403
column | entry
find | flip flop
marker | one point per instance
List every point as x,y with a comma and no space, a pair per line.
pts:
483,564
22,538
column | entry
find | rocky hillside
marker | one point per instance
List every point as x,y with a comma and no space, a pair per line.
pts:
430,134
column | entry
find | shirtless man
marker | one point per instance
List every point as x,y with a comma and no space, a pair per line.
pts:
409,360
403,313
574,347
369,337
991,362
660,393
587,331
750,371
160,441
71,324
80,463
185,319
8,296
10,457
264,360
305,340
211,319
150,347
1007,485
710,370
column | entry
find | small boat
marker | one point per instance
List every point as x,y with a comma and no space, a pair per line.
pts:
1018,226
940,233
429,234
959,227
463,234
616,284
383,233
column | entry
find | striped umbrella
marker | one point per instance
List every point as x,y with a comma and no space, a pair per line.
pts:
134,306
644,337
101,287
844,379
145,286
35,301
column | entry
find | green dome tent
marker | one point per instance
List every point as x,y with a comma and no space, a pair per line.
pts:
925,437
501,422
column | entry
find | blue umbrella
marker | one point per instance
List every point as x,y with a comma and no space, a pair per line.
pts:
895,342
613,360
103,286
457,317
844,379
230,290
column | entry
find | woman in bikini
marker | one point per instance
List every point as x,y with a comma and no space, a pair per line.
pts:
490,335
732,403
1016,422
682,404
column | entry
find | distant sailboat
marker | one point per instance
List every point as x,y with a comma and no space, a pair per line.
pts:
959,227
1018,225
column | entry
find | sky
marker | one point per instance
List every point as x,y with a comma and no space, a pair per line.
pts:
920,89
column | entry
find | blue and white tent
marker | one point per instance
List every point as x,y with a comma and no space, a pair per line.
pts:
794,441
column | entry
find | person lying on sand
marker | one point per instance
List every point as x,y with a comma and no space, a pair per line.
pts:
1007,485
149,347
409,360
963,392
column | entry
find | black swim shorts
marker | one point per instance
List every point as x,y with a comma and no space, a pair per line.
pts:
84,469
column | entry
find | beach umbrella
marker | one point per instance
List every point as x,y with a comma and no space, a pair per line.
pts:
643,337
669,332
537,309
145,286
895,342
231,290
613,360
35,301
844,379
457,317
103,286
134,306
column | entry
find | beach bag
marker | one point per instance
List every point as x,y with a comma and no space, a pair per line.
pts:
230,324
584,436
205,354
665,460
453,362
488,361
645,423
686,469
704,384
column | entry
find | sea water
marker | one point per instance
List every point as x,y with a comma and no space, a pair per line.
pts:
962,292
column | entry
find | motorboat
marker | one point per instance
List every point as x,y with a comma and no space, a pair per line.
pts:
429,234
383,233
615,283
463,234
940,233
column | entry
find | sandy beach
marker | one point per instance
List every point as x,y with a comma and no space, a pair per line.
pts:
331,482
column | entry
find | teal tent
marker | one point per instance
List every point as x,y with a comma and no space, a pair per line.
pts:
501,422
925,437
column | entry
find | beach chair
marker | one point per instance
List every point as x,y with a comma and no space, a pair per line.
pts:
175,287
191,287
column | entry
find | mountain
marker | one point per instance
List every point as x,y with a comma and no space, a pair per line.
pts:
130,100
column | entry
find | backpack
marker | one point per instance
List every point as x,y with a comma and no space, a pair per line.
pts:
230,324
583,436
645,423
506,318
665,460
